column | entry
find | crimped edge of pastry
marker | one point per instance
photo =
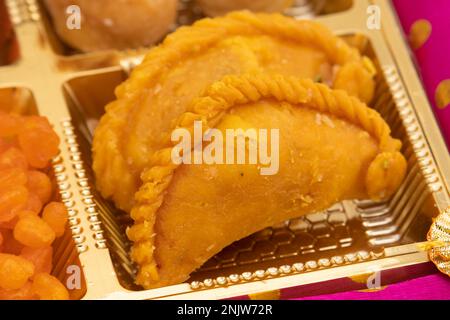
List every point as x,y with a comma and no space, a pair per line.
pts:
193,40
384,175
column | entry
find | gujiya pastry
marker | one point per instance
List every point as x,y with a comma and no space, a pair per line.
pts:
244,71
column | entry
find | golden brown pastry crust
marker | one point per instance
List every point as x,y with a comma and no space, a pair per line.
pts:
383,177
117,169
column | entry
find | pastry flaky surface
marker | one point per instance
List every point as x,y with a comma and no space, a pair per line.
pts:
331,147
159,90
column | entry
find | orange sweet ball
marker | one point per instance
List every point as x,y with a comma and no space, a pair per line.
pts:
55,214
12,177
47,287
25,238
11,200
10,124
6,143
40,184
25,213
34,203
40,257
38,141
24,293
13,158
36,122
33,232
18,213
14,271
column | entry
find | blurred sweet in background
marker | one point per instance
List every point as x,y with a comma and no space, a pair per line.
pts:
114,25
9,48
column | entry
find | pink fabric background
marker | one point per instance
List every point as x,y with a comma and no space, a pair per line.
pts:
432,287
434,56
434,64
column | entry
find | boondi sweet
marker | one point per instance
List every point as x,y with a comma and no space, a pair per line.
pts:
27,144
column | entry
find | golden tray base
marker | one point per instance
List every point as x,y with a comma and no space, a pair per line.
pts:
310,255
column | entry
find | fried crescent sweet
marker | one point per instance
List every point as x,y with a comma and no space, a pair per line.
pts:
332,147
192,58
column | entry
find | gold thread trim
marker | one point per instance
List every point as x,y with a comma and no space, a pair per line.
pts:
440,233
